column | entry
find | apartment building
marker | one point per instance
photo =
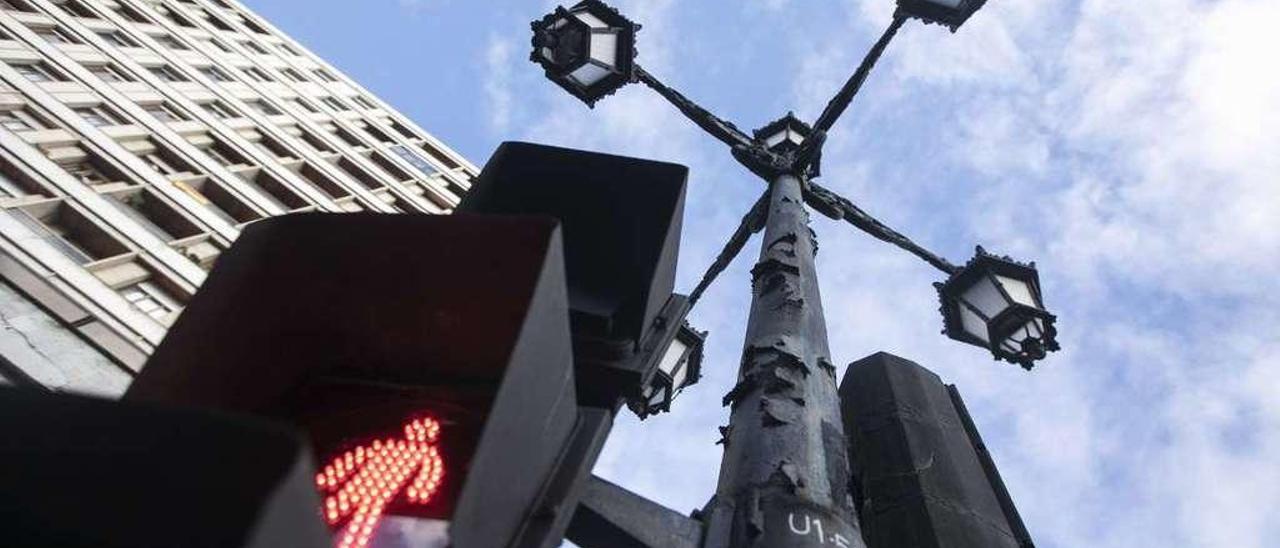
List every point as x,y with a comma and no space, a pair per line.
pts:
137,138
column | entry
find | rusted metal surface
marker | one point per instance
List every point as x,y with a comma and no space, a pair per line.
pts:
781,484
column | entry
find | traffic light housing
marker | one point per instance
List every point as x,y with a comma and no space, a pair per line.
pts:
85,472
621,219
353,326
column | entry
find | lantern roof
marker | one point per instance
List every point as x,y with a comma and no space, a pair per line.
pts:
949,13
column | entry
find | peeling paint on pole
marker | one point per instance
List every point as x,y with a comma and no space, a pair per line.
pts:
784,480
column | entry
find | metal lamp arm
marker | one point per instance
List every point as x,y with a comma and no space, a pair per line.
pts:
752,222
841,101
719,128
838,207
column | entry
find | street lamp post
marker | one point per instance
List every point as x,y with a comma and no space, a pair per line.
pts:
784,478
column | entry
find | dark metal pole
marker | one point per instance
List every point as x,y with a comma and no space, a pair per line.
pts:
784,479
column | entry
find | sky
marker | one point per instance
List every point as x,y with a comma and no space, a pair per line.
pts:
1130,148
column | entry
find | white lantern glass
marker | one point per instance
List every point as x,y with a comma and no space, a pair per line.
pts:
953,4
985,296
671,359
1018,290
604,48
589,74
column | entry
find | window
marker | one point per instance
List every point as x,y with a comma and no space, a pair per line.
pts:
263,107
219,201
225,155
55,35
275,149
220,110
70,232
254,47
347,137
324,75
173,16
13,184
279,194
109,73
217,22
415,160
389,167
164,112
164,161
130,14
214,73
252,26
95,173
218,45
153,300
335,104
74,7
15,5
441,157
118,39
286,48
306,105
154,214
402,130
294,75
170,42
315,142
321,181
166,73
21,120
364,103
99,116
374,132
361,176
39,72
258,74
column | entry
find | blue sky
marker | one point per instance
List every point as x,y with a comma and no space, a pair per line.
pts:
1130,148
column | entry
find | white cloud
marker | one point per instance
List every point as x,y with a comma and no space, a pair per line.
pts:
497,82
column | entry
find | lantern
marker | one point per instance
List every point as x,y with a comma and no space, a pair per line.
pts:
785,134
589,49
995,302
680,366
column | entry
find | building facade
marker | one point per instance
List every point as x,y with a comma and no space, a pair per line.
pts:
138,138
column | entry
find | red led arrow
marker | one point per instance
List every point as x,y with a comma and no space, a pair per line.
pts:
361,482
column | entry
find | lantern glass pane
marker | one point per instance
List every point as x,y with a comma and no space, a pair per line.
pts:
972,324
795,137
591,20
548,54
589,74
658,397
984,296
682,372
774,139
1018,290
671,359
954,4
604,48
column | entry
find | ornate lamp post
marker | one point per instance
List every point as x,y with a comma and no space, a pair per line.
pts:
784,478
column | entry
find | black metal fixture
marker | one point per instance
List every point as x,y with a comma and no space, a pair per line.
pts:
785,134
679,366
589,49
773,484
951,13
995,302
